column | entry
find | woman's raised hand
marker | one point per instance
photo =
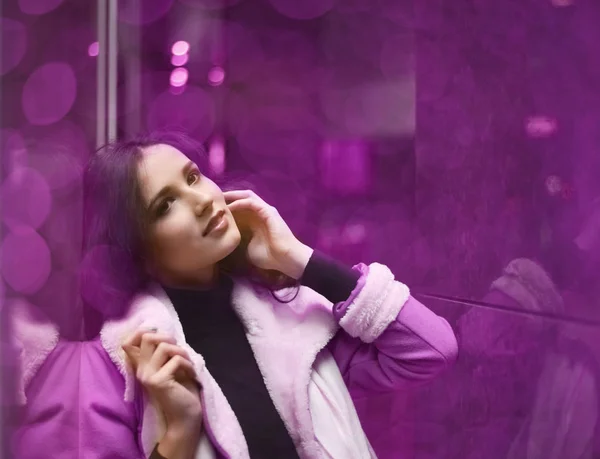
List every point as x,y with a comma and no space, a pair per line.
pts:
273,245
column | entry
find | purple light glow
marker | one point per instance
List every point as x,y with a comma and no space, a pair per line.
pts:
540,126
216,76
180,48
216,155
179,60
49,93
93,49
179,77
554,185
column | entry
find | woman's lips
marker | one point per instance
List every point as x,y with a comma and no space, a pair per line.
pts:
216,224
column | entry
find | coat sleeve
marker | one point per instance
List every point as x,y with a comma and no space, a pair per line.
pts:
74,408
388,339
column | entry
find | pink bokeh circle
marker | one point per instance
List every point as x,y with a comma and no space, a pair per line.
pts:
26,199
25,261
12,32
49,93
37,7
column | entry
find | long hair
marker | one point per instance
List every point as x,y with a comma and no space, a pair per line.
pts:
115,229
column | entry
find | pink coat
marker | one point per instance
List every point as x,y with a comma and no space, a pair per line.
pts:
82,400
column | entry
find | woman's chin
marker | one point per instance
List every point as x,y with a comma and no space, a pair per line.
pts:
231,241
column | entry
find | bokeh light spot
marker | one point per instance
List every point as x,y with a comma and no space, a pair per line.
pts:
180,48
26,199
179,77
38,6
93,49
12,32
216,76
49,93
178,61
25,261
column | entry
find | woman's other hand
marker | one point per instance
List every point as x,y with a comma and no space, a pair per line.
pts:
167,373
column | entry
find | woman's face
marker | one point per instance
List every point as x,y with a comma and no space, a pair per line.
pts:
190,226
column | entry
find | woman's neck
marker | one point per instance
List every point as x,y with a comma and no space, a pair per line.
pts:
201,282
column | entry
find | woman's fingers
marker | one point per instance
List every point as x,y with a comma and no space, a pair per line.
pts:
135,339
162,354
238,194
141,344
149,343
170,370
242,195
246,204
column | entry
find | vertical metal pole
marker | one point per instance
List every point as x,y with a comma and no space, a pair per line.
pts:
112,65
131,56
101,75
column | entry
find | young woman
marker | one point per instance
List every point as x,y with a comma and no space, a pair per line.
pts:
203,349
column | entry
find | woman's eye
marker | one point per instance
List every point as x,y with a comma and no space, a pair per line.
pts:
193,177
164,207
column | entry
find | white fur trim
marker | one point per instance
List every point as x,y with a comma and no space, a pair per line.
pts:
376,305
36,337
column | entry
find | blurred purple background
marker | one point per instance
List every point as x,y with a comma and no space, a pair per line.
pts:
442,138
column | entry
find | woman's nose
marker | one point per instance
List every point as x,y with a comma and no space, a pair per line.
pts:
201,202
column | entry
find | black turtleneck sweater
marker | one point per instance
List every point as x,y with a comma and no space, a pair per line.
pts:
213,329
